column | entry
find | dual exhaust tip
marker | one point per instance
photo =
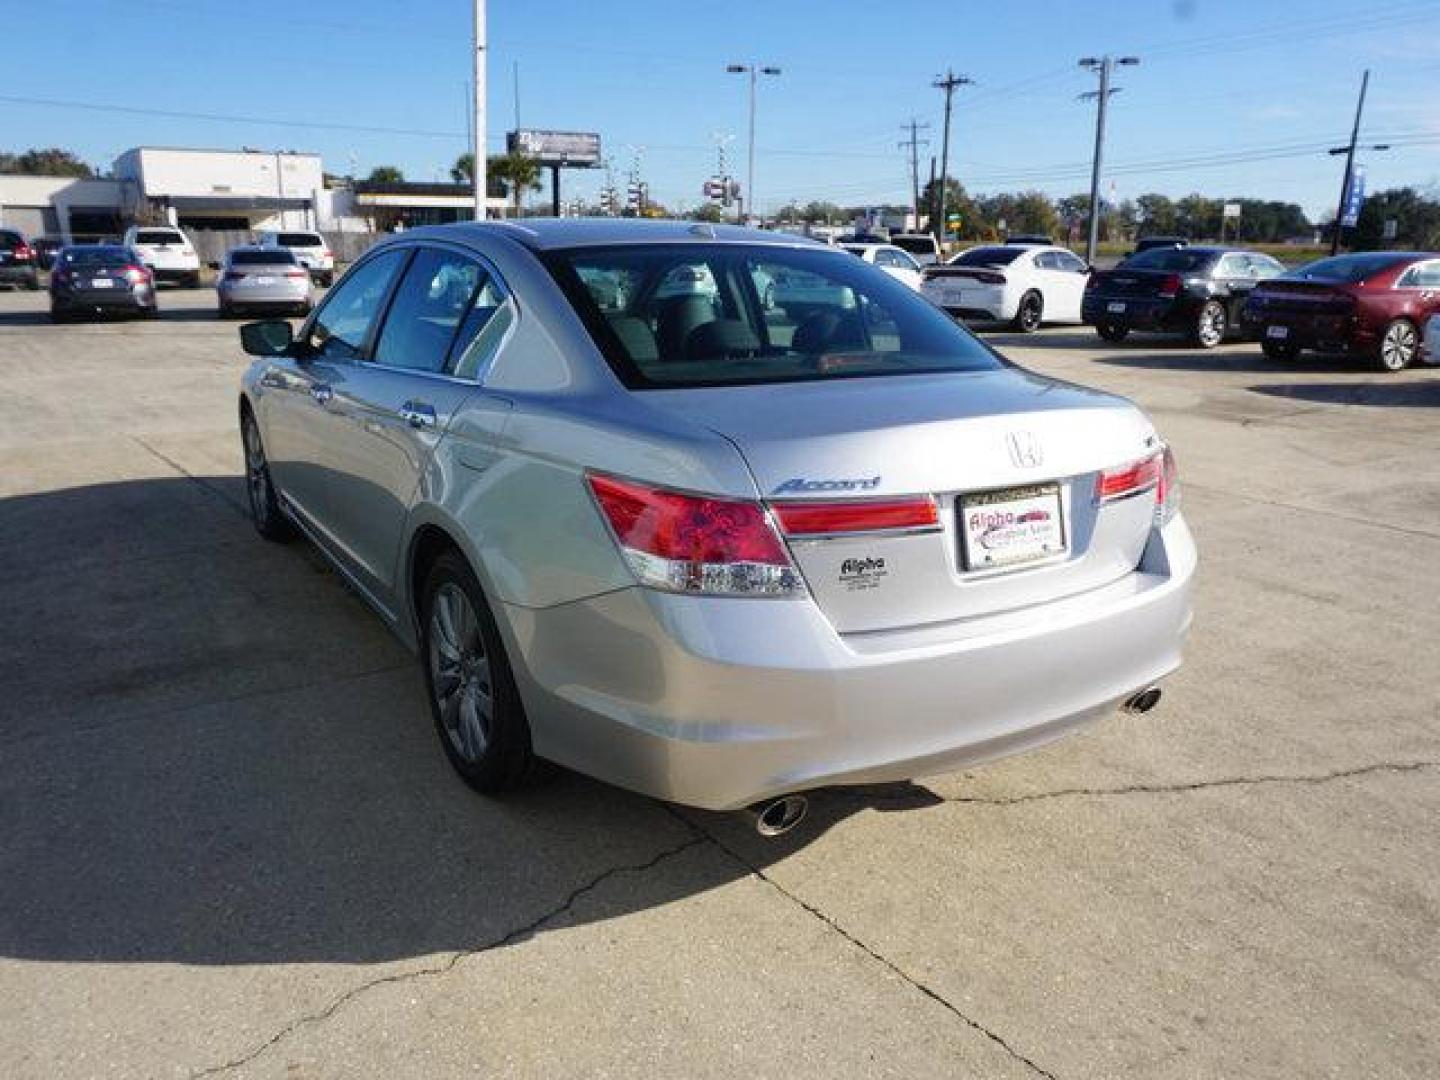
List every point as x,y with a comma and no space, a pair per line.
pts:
1141,702
776,817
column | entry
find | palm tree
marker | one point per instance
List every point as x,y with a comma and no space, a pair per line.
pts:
386,174
518,172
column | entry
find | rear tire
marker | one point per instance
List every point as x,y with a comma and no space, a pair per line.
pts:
33,285
1030,313
1113,332
1280,350
265,513
1211,323
473,698
1399,346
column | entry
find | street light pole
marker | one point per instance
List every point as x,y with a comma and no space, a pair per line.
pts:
477,138
1103,66
1349,152
754,71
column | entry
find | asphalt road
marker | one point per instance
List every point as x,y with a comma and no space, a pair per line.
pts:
229,843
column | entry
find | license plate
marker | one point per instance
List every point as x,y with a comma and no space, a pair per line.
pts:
1115,307
102,283
263,280
1278,333
1005,528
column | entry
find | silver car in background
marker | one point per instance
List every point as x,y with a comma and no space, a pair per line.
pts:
262,279
706,549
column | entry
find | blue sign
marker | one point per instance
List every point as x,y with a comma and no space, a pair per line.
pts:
1354,197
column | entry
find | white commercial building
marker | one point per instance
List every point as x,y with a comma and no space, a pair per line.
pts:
226,189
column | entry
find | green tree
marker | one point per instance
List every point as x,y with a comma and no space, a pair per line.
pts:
1157,215
463,171
516,174
1417,221
707,211
957,201
51,162
386,174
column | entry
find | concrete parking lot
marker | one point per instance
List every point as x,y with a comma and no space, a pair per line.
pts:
230,844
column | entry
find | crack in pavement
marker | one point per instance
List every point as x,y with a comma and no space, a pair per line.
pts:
235,505
450,962
880,958
871,797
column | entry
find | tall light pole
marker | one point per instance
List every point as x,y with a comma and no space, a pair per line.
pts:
754,71
913,144
948,82
477,138
1349,151
1103,66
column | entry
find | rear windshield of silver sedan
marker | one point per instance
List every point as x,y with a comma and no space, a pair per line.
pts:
708,314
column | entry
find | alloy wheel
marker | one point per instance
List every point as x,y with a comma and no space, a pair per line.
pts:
257,475
1210,329
1397,348
460,675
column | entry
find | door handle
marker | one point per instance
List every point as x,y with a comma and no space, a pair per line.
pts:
321,393
418,414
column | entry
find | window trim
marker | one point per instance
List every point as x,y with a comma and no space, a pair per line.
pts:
1414,269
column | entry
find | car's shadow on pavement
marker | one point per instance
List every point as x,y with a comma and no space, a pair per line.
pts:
1237,358
1392,394
211,753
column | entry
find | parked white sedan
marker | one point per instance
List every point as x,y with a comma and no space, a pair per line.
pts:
895,261
1022,284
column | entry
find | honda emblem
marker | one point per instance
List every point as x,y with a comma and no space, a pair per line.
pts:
1025,449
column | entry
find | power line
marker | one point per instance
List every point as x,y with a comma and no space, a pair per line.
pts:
949,82
913,144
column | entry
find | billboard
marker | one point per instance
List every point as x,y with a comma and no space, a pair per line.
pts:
573,149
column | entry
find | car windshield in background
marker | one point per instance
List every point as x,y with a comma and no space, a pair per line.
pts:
916,245
9,240
299,239
1348,269
988,256
274,257
98,256
755,314
1171,260
158,236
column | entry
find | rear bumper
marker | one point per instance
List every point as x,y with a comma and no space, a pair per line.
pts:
104,300
1337,333
976,304
1140,313
721,702
264,297
17,273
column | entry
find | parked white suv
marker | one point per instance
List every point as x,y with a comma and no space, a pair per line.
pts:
167,251
311,249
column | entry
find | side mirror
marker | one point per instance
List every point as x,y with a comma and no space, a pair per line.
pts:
271,337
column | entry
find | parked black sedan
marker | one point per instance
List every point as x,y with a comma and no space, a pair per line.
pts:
17,261
1199,291
98,279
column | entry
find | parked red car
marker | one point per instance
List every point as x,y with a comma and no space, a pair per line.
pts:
1372,304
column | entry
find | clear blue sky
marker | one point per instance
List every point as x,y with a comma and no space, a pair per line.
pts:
1219,77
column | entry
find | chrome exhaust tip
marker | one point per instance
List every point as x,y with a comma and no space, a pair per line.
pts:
776,817
1142,702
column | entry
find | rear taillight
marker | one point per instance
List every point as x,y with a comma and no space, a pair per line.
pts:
1127,480
136,274
24,253
296,273
1156,472
849,517
1170,287
1167,491
696,543
989,278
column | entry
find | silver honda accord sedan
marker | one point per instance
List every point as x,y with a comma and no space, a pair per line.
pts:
704,548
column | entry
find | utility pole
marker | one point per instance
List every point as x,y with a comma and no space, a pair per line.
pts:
1349,151
913,144
754,71
1103,66
477,146
948,82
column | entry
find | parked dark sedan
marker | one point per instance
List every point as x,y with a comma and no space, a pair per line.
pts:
17,261
96,279
1195,290
1371,304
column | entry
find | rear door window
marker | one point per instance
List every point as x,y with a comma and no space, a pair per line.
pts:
343,323
299,239
432,299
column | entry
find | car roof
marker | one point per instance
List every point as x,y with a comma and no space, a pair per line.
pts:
257,247
549,234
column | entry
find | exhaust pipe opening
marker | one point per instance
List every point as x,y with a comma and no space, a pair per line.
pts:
1142,702
778,816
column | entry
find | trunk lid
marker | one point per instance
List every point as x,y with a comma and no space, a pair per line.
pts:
1140,283
952,437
